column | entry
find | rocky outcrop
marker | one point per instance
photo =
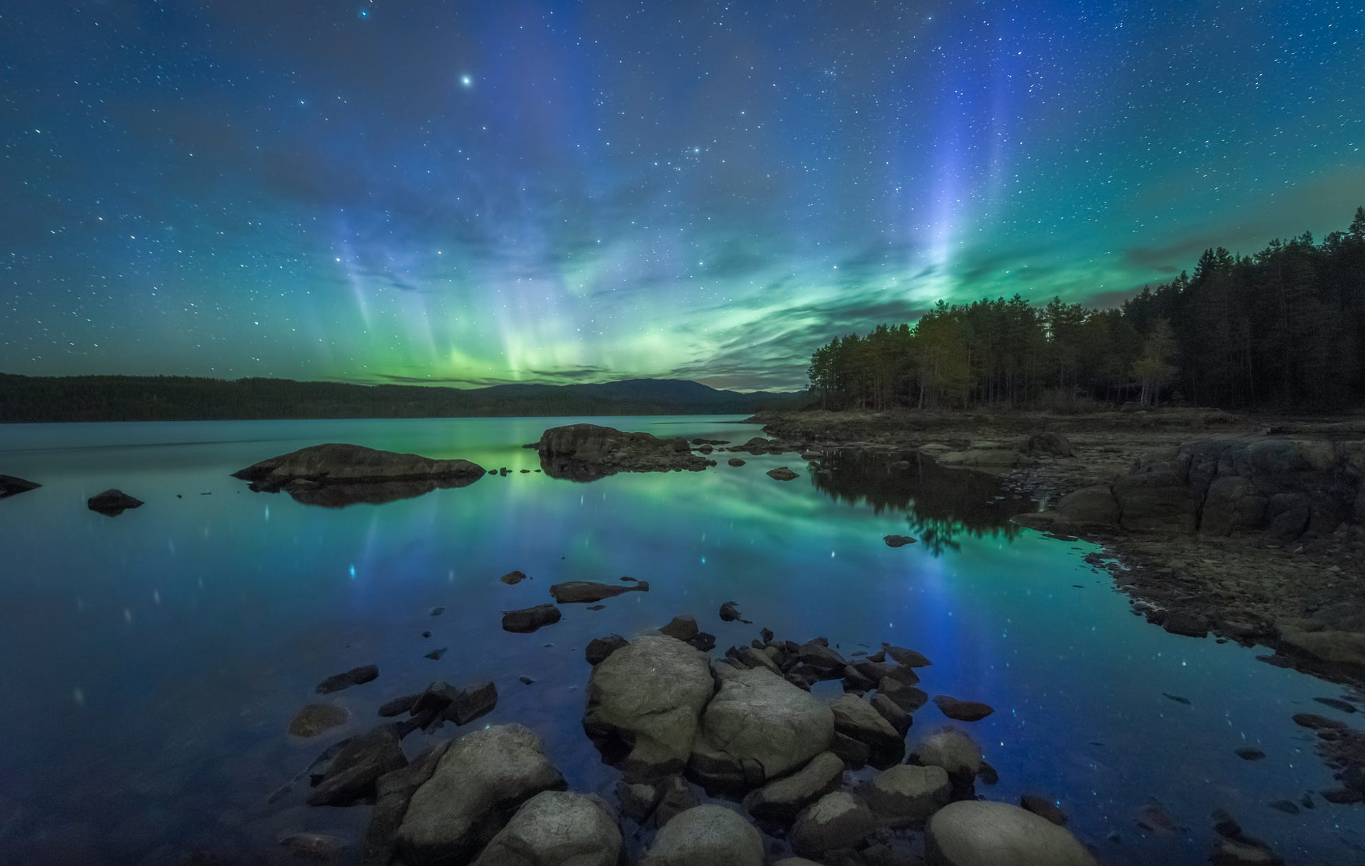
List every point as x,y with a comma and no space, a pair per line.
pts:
12,486
981,833
588,591
586,452
336,475
349,776
757,728
112,502
475,787
706,836
646,699
556,828
1309,637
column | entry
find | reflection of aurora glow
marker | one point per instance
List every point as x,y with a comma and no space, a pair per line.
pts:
578,192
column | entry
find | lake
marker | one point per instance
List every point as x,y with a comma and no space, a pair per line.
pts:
154,660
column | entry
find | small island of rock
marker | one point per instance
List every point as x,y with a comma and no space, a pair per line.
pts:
336,475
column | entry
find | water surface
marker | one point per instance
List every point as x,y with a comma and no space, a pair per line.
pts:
153,660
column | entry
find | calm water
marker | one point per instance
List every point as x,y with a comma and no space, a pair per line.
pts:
152,661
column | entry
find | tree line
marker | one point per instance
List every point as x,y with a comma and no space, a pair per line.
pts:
1284,328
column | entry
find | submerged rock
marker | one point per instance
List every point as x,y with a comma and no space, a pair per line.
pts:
963,711
12,486
513,577
316,719
837,820
112,502
898,540
530,619
706,836
729,612
350,776
1243,852
587,591
394,791
314,846
1044,808
647,697
783,799
736,461
586,452
599,648
476,786
682,628
556,828
981,833
349,470
353,677
782,473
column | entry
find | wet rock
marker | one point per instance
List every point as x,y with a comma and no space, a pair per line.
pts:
853,753
856,718
599,648
756,728
1088,506
1289,807
683,628
963,711
1233,852
648,697
1329,645
112,502
353,677
587,591
837,820
702,641
1154,817
351,774
893,713
12,486
556,828
753,658
820,658
314,846
906,795
782,473
1049,444
435,655
675,797
637,800
907,657
1249,753
706,836
981,833
729,612
1224,824
472,703
525,680
1044,807
476,786
316,719
898,540
512,578
351,468
783,799
586,452
736,461
954,751
1154,497
1185,622
530,619
906,697
400,705
1337,704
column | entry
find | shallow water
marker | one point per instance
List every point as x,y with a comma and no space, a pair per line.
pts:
154,660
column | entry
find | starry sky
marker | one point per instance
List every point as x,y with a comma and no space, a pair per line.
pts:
473,193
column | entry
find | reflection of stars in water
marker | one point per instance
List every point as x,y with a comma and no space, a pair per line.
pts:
466,81
364,13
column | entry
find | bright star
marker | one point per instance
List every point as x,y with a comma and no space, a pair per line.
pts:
364,13
466,81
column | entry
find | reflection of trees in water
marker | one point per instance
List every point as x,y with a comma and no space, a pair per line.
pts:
941,505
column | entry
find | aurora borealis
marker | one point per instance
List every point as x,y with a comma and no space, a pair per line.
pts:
484,192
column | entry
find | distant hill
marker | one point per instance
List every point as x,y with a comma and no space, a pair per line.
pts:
183,398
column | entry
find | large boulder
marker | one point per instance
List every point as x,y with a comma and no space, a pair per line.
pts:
307,474
837,820
1328,645
394,792
783,799
556,828
112,502
981,833
12,486
1089,506
952,750
586,452
476,786
648,697
706,836
906,795
350,775
1155,497
858,719
530,619
1232,504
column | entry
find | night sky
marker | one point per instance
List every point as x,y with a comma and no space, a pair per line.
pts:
482,192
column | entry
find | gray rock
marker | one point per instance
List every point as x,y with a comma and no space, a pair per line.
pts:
1156,498
12,486
351,774
1089,506
599,648
904,696
951,749
783,799
836,820
112,502
898,540
1050,444
736,461
981,833
1237,852
476,786
782,473
316,719
1185,622
316,847
587,591
637,800
682,628
585,452
675,797
649,695
757,728
706,836
347,470
530,619
556,828
512,578
908,657
853,753
893,713
906,795
353,677
472,703
1329,645
963,711
856,718
395,790
1044,807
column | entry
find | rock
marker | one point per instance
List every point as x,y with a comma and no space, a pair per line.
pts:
586,452
906,795
836,820
316,719
682,628
1088,506
353,677
702,641
587,591
1156,498
706,836
351,774
556,828
637,801
907,657
853,753
736,461
112,503
472,703
435,655
12,486
394,791
906,697
729,612
1338,647
649,696
530,619
1337,704
1044,807
400,705
512,578
1224,824
820,658
783,799
308,473
1185,622
981,833
856,718
476,786
314,846
1248,753
600,647
1234,852
893,713
897,540
782,473
675,797
1049,444
963,711
756,728
952,750
752,658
